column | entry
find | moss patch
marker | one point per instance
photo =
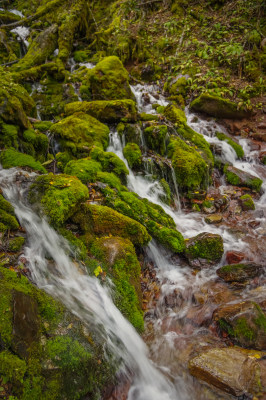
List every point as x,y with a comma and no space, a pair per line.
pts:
11,158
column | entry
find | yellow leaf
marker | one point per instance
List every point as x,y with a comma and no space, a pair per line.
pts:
98,271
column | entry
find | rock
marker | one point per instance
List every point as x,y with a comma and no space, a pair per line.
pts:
239,272
26,324
218,107
259,135
234,257
238,177
247,202
133,155
204,250
214,219
11,158
230,369
105,111
244,322
156,138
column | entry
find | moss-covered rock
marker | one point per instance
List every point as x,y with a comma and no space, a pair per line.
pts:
102,220
119,261
109,161
156,137
218,107
12,158
239,272
237,147
238,177
132,133
133,155
175,115
106,111
245,322
40,49
247,202
108,80
190,169
59,195
44,347
204,249
148,117
15,102
15,244
84,169
9,136
79,132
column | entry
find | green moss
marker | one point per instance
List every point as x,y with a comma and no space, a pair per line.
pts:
11,158
108,80
133,155
84,169
237,177
166,197
247,202
120,262
6,206
102,219
206,246
66,352
218,107
15,244
110,161
148,117
43,126
175,115
232,178
179,87
238,149
8,220
170,238
80,56
106,111
9,136
77,246
59,195
190,169
156,138
62,159
260,321
12,368
110,179
79,132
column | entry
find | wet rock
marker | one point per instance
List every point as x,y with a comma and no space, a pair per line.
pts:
26,323
238,177
214,219
244,322
232,370
247,202
204,250
239,272
234,257
259,135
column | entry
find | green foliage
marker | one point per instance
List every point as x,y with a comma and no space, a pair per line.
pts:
59,196
12,158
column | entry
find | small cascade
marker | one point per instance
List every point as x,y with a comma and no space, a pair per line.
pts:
177,197
22,33
146,96
84,296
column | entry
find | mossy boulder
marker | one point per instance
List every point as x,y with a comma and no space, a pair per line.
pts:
15,102
175,115
204,250
109,161
102,220
9,136
238,177
218,107
59,196
7,216
79,132
148,117
133,155
156,138
118,259
44,347
84,169
106,111
132,133
15,244
239,272
237,147
108,80
40,49
12,158
247,202
190,168
245,322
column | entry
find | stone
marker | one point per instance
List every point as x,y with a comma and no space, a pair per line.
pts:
238,177
214,219
247,202
232,370
204,250
234,257
239,272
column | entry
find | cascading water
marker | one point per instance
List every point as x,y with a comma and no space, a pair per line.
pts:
84,296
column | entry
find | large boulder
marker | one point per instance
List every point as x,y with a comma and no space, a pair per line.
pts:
239,272
204,250
106,110
79,132
232,370
218,107
244,322
238,177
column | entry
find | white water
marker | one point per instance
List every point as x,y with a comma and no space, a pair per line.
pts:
22,33
84,296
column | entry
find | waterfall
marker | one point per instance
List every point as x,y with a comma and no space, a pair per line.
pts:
83,295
